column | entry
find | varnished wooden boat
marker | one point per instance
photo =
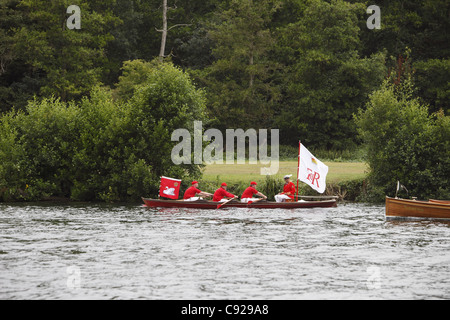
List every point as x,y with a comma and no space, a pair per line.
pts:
403,209
206,204
440,201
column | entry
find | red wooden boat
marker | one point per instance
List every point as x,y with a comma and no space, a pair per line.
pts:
413,209
319,202
206,204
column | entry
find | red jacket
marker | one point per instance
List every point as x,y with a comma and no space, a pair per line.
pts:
191,192
289,188
249,192
221,193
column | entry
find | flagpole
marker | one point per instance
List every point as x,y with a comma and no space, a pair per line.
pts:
298,166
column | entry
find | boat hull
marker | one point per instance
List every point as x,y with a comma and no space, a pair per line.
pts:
205,204
402,209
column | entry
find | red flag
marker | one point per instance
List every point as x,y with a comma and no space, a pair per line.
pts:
169,188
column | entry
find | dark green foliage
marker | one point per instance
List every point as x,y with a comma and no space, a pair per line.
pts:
71,60
405,143
37,150
303,66
420,25
239,83
326,79
432,82
99,149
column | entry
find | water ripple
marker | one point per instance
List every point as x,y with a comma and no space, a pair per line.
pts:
50,251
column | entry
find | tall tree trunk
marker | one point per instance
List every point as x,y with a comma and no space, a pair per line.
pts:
164,32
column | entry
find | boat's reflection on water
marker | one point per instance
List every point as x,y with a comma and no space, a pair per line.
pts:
246,216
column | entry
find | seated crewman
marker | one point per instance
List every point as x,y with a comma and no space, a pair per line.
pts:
221,194
247,196
192,192
288,190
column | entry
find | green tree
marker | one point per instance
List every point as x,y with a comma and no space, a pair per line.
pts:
37,152
419,25
433,83
239,82
135,36
188,44
70,61
166,101
405,143
325,79
18,82
134,74
12,176
100,148
126,145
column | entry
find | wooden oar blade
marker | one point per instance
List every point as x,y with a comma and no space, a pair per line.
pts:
224,203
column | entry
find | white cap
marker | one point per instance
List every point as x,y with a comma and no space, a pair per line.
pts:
287,176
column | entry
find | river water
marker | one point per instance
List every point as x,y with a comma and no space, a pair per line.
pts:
85,251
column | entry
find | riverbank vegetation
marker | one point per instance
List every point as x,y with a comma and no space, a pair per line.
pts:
405,143
99,148
88,113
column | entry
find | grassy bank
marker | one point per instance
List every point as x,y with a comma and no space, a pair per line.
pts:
338,171
345,179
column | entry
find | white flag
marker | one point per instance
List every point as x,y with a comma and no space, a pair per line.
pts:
312,171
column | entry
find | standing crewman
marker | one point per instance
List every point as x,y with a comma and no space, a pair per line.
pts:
192,192
221,193
247,196
288,190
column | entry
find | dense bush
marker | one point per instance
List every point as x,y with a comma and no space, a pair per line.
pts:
100,148
405,143
37,149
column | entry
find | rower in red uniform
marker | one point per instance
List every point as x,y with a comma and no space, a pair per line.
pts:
221,193
247,196
288,190
192,192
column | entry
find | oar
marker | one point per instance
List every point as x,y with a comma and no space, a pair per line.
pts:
223,203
